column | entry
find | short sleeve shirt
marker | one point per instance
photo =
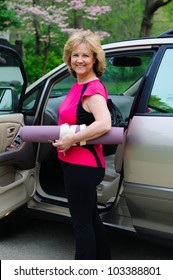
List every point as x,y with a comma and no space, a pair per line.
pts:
72,113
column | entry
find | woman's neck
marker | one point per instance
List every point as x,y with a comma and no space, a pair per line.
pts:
86,79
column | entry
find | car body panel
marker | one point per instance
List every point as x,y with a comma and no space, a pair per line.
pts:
149,151
148,177
151,209
138,43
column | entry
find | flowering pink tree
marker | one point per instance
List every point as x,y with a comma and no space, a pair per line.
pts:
49,21
45,18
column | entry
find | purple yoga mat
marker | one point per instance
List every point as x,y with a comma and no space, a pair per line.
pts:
45,133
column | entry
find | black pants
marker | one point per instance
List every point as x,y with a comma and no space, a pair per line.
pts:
80,183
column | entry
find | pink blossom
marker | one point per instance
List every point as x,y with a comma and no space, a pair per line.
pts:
102,34
93,11
70,30
56,14
77,4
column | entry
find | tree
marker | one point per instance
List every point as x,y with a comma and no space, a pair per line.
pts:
125,18
151,7
7,16
50,16
48,21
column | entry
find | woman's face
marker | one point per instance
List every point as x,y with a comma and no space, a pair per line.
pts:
82,60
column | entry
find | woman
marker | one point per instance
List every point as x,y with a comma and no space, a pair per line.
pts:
84,165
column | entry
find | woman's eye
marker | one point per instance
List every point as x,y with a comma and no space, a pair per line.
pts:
75,55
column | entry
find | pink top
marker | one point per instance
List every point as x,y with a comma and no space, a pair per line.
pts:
72,112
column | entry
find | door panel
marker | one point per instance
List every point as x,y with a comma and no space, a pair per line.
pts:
17,171
17,160
9,125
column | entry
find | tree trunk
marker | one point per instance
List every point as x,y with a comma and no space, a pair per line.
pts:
46,51
78,21
37,34
151,7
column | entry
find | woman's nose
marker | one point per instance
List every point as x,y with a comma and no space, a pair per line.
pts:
80,59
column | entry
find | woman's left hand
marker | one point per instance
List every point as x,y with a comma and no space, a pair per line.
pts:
64,143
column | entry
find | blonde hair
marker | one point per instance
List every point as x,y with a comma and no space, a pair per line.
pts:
93,43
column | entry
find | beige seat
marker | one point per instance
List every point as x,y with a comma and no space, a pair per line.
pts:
107,190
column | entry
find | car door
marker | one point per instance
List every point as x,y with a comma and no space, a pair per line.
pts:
17,159
148,157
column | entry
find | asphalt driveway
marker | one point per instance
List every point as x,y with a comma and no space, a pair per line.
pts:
49,240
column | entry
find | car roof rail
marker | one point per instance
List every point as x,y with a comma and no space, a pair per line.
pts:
168,33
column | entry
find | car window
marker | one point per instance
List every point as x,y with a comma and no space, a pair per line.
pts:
124,71
11,82
121,73
62,87
122,78
6,99
30,100
161,99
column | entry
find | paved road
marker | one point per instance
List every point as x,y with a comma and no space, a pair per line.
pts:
54,240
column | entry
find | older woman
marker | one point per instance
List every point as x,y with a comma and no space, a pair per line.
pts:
84,165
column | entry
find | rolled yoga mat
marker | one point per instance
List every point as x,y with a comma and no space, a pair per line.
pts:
45,133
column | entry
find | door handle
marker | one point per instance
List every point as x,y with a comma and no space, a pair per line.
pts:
10,131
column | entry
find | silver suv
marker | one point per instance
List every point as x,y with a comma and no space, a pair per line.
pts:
136,194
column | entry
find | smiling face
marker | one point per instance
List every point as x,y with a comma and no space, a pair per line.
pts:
82,61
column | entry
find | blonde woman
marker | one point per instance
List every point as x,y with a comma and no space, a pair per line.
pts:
84,165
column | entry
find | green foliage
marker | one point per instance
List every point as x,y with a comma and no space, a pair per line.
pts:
163,19
7,16
124,20
33,65
53,61
158,105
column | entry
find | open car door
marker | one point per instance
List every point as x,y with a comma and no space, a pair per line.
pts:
17,160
